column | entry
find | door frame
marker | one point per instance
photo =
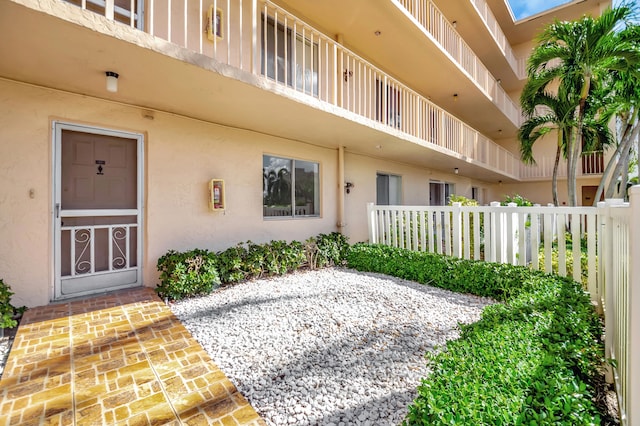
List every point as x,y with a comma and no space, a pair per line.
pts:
56,196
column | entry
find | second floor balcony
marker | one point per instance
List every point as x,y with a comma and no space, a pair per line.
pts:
237,62
591,164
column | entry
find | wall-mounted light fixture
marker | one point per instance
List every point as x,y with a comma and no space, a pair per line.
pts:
112,81
455,24
455,97
348,186
347,74
456,170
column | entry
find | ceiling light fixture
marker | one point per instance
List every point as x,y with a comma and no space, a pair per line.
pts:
112,81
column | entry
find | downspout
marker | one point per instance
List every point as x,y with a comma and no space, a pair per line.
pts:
340,188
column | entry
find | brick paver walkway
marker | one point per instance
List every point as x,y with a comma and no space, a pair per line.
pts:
118,359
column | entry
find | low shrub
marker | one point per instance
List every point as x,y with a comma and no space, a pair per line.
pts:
326,250
517,199
187,274
463,276
531,359
197,272
8,312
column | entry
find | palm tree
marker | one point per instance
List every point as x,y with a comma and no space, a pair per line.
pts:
546,112
579,54
549,112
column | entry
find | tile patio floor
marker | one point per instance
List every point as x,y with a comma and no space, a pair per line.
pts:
118,359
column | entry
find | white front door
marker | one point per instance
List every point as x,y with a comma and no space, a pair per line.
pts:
97,210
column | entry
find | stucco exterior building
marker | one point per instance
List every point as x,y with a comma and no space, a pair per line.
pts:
304,110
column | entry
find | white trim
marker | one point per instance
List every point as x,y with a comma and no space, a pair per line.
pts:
57,127
98,212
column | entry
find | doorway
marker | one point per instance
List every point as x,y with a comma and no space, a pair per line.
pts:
589,194
97,210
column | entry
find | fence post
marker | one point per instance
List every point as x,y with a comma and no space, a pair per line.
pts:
457,225
494,233
610,287
633,345
602,235
512,230
373,235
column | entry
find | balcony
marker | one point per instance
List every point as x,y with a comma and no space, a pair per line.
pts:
431,19
518,65
592,164
249,65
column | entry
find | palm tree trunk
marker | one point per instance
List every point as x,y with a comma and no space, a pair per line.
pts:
610,165
571,169
576,147
554,179
627,141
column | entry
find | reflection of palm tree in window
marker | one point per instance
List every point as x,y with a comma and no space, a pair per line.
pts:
278,187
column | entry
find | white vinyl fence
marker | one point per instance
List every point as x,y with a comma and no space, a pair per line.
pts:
597,246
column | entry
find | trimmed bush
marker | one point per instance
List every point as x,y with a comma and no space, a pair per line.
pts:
7,310
531,359
187,274
198,272
326,250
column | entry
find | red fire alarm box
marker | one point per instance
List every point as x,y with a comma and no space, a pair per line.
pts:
216,195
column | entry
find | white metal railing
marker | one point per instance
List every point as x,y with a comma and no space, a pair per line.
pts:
264,39
87,248
429,17
592,164
518,65
597,246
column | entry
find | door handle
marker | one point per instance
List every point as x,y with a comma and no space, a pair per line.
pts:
57,210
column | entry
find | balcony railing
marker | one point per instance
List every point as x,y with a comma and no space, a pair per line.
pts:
592,164
518,65
429,17
262,38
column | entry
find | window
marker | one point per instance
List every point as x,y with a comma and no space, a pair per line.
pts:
294,67
475,193
388,102
285,180
388,190
439,193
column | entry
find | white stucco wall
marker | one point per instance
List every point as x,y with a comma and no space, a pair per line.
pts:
181,156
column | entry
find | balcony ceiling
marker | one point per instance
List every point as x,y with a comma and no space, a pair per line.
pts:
526,29
48,51
404,51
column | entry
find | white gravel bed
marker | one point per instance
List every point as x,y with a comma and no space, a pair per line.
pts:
327,347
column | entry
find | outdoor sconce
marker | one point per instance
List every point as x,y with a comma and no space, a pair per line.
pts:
347,75
348,186
112,81
456,170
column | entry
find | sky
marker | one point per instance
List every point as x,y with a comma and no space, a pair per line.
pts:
524,8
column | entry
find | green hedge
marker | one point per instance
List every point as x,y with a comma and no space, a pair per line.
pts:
197,272
531,359
8,312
